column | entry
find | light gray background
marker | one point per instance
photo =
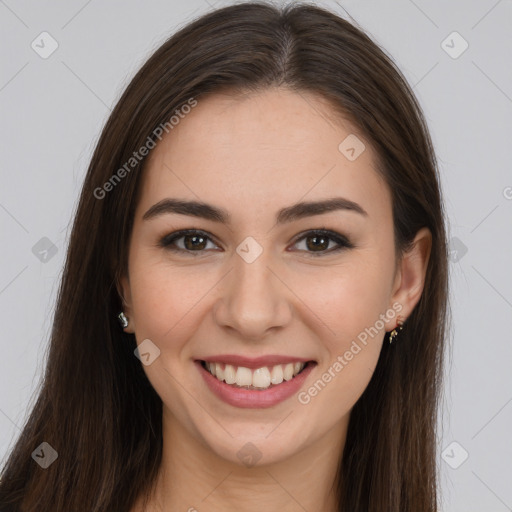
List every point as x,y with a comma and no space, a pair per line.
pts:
52,111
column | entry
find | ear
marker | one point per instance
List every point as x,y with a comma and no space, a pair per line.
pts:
410,275
124,290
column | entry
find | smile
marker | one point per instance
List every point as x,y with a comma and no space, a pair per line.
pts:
259,378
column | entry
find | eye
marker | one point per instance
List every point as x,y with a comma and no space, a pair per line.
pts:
193,241
317,242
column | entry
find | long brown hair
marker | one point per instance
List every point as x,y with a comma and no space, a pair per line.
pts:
96,407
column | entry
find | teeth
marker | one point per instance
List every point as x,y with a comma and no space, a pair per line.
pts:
229,374
276,377
219,372
243,376
288,371
261,378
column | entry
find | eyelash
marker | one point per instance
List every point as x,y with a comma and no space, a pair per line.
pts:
344,243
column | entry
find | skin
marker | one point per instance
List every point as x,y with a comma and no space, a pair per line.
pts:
252,155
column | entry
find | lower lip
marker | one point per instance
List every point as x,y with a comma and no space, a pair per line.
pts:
254,399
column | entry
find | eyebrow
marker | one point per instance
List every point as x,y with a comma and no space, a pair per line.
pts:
216,214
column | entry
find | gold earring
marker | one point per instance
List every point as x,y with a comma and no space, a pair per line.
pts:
394,333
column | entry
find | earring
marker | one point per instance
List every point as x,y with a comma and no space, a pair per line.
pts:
394,333
122,320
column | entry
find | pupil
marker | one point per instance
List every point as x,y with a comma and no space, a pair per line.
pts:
195,238
321,245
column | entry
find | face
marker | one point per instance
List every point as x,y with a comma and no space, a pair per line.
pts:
265,281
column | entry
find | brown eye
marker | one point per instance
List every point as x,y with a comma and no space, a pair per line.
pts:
320,242
317,243
193,241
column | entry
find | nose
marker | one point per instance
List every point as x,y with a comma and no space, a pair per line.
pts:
253,300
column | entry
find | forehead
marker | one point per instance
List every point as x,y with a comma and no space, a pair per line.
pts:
261,148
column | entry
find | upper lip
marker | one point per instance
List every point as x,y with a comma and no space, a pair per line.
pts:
254,362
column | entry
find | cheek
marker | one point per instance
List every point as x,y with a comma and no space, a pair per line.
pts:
164,299
347,299
349,303
167,302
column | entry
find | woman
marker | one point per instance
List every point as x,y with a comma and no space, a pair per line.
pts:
262,214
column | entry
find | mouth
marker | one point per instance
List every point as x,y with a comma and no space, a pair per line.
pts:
256,379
